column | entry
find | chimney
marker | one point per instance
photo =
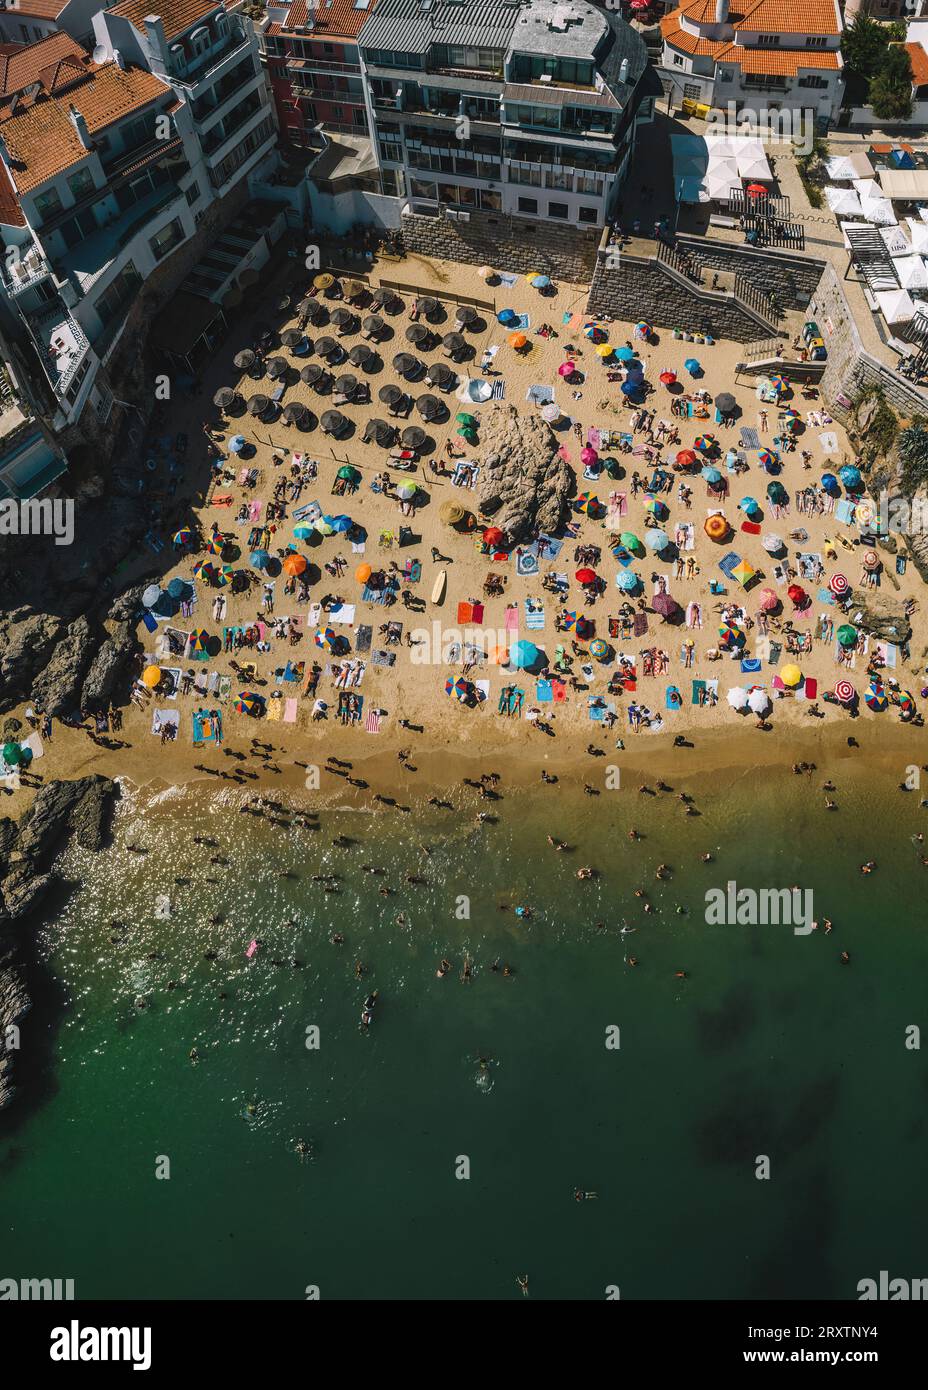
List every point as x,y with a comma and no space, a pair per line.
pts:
119,60
80,125
721,11
154,30
623,67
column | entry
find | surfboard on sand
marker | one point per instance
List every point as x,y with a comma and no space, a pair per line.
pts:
438,590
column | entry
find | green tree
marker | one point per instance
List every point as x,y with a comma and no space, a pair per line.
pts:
864,45
891,90
912,447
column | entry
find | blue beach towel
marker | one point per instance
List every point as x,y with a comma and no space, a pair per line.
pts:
543,692
750,665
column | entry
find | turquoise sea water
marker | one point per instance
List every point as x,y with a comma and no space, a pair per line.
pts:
769,1046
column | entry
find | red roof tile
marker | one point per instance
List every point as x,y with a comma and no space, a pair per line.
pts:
175,15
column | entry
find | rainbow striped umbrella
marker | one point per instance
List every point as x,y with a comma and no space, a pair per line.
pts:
248,702
216,544
225,576
585,502
199,639
325,638
905,699
184,536
768,457
570,621
204,570
779,383
730,635
599,648
705,442
876,696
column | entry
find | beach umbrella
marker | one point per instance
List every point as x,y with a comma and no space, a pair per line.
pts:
627,581
585,502
870,561
630,387
312,310
850,476
692,365
778,383
224,397
769,602
373,324
417,333
657,508
737,697
585,576
588,455
665,605
759,702
705,443
428,305
312,374
428,406
454,342
829,483
382,296
791,675
13,753
905,700
486,272
743,572
295,564
303,533
657,540
847,635
441,374
772,543
599,648
506,316
257,405
467,434
259,559
323,281
712,476
730,635
225,576
363,573
407,490
541,282
413,437
462,418
248,702
725,403
517,340
686,458
345,385
199,640
325,638
150,678
604,351
353,289
797,595
327,347
451,514
642,329
342,317
277,367
777,494
333,422
206,571
567,368
405,363
551,413
343,524
569,621
839,585
390,395
244,359
845,692
875,696
584,627
183,537
493,537
381,431
631,542
769,458
748,504
296,413
323,526
523,654
360,354
625,354
292,337
216,544
667,378
716,527
237,443
595,332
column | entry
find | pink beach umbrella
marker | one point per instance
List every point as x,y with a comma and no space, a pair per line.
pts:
567,368
588,455
768,601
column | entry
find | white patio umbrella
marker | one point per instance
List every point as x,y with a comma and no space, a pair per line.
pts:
896,306
759,702
738,697
895,240
843,201
911,272
918,233
772,543
879,212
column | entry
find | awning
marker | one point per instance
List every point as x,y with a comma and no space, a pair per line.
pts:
904,183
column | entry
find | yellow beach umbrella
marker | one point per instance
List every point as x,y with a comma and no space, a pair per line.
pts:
604,350
151,676
791,675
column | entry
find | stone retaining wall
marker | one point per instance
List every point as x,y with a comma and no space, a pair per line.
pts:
793,279
641,288
507,243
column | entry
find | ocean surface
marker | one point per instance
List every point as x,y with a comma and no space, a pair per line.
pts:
769,1047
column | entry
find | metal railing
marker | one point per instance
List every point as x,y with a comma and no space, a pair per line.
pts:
756,300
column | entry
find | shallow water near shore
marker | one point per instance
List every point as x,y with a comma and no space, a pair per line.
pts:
768,1047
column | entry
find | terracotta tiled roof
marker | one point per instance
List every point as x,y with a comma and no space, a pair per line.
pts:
338,19
42,62
919,63
10,212
690,43
40,9
176,15
43,142
778,62
770,16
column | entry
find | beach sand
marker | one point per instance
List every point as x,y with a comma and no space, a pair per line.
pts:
455,736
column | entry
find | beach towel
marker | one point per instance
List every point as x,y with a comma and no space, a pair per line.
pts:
539,394
160,717
372,723
363,637
750,665
640,625
274,710
729,563
774,652
549,547
254,509
369,595
534,615
342,613
750,439
697,688
498,389
673,700
543,692
825,596
829,441
482,688
150,621
224,688
844,512
887,654
506,278
527,561
751,527
810,688
223,499
559,690
290,708
512,618
382,658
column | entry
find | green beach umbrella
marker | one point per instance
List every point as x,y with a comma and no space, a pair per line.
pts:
350,475
630,540
465,419
12,754
847,635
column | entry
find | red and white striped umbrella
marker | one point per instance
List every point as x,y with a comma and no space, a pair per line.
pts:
838,584
845,692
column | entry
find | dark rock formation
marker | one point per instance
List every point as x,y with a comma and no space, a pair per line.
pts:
522,468
56,689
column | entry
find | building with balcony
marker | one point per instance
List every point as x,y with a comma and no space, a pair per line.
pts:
314,67
519,107
29,461
27,21
757,54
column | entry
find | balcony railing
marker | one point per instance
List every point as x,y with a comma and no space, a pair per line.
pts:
29,270
191,74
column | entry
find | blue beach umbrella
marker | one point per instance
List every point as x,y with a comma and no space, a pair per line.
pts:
541,282
236,444
506,316
180,589
748,505
342,523
627,581
259,559
712,475
303,533
630,387
693,366
657,540
829,484
523,654
625,354
850,476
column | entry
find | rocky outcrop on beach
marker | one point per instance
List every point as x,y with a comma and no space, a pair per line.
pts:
27,642
61,811
56,688
883,617
524,480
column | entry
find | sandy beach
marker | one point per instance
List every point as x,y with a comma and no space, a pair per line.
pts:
679,674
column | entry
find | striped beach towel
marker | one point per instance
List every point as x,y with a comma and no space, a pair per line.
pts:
534,615
498,390
372,724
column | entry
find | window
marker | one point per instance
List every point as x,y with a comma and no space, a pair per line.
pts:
491,201
79,228
528,205
119,293
815,41
199,41
81,183
586,183
589,214
165,240
819,83
768,40
560,179
677,60
359,117
192,194
47,203
558,210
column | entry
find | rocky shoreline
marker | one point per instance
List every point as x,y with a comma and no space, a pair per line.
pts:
28,848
